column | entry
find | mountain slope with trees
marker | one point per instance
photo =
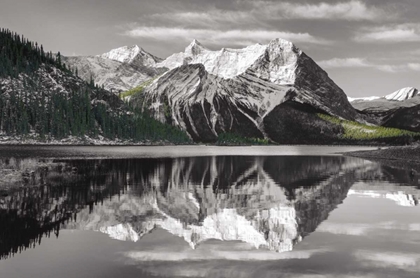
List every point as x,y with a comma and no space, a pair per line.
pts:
42,98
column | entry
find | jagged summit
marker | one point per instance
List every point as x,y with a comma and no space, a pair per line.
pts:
399,95
120,69
124,54
238,90
129,54
228,63
403,94
195,48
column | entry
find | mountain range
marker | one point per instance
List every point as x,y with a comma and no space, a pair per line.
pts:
265,93
120,69
273,91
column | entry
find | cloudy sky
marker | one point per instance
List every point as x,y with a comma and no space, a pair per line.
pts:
369,47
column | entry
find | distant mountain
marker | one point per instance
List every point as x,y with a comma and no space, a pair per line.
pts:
262,91
405,97
403,94
399,109
133,54
118,70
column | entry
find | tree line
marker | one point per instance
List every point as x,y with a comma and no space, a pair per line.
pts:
83,109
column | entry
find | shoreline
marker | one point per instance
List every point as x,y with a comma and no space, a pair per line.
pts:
404,157
404,153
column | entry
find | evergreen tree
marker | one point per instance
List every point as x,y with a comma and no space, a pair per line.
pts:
84,109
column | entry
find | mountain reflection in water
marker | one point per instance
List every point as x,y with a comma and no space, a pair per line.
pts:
268,202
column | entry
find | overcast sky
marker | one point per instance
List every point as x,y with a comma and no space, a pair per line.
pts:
368,47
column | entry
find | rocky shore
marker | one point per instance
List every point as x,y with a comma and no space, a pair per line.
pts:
407,157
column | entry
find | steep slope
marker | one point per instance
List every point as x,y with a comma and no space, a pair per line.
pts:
208,93
403,94
405,118
41,99
118,70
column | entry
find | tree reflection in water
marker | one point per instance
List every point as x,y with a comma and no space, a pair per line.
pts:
268,202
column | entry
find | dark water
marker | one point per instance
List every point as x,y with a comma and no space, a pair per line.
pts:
207,216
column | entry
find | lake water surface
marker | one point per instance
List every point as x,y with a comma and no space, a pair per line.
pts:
290,211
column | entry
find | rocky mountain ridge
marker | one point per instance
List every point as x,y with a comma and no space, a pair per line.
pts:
118,70
208,93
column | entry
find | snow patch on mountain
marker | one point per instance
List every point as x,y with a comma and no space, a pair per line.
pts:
400,198
363,98
403,94
226,63
129,54
123,232
228,225
123,54
400,95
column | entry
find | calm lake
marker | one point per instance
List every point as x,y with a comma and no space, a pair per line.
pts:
289,211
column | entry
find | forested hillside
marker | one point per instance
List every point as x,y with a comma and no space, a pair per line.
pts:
41,98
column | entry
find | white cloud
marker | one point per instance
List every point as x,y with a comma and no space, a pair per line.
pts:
363,63
363,229
258,12
194,255
209,19
414,66
391,34
350,11
399,68
294,275
408,261
344,229
344,63
237,37
392,68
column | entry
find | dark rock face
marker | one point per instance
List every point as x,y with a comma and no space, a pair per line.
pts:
400,109
293,122
404,118
316,86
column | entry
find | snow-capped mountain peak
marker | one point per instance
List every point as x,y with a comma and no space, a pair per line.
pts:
125,54
400,95
132,54
229,63
351,99
403,94
226,63
195,48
